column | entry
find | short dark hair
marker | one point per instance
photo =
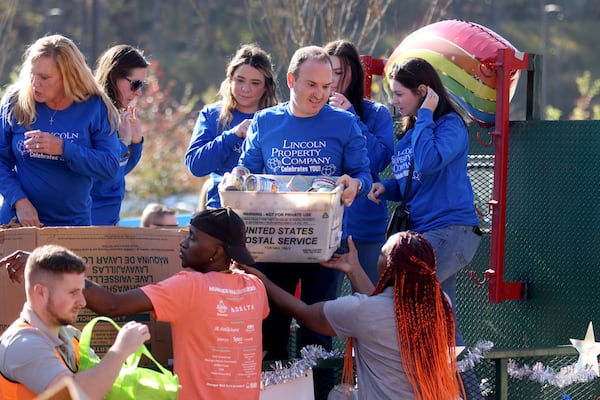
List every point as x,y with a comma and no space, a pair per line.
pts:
307,53
54,260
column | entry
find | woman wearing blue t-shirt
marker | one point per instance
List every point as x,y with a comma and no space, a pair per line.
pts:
56,136
216,142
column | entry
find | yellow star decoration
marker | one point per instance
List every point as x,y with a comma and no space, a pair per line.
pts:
588,350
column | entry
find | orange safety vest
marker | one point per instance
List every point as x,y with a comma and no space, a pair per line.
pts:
11,390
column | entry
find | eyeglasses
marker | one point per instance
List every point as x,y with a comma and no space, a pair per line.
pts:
135,85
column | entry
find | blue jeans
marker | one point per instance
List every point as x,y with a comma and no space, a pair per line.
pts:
454,247
368,255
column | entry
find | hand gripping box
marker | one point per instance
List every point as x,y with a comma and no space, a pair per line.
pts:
289,227
118,258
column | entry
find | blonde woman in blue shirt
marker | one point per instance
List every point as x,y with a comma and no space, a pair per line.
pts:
57,134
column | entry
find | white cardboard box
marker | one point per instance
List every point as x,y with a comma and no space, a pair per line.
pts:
291,227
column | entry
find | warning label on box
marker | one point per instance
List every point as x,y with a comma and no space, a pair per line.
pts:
288,235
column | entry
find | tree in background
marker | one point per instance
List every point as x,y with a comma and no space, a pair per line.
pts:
288,25
9,9
588,89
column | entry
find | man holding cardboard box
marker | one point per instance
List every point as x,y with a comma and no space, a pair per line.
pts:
214,309
306,136
41,348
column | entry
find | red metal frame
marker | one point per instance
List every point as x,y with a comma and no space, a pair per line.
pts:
371,66
507,62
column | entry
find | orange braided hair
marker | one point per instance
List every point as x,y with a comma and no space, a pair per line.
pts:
424,319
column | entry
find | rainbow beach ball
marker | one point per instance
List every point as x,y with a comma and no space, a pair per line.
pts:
463,53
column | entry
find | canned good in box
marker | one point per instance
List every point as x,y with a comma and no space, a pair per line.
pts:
256,183
232,182
299,183
323,184
240,171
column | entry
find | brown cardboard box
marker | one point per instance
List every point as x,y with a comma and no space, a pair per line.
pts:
118,258
290,227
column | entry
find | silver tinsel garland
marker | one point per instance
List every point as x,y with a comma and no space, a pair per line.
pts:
474,355
546,375
311,355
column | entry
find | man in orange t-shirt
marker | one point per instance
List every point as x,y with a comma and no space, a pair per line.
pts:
214,309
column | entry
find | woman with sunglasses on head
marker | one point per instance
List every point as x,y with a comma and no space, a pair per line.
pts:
367,220
216,142
121,71
57,134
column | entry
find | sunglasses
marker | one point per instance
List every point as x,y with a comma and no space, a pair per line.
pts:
135,85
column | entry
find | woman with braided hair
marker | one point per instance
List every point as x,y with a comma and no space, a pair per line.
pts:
403,333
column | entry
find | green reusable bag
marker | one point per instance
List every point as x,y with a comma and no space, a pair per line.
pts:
133,382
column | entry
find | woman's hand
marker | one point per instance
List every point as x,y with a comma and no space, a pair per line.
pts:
339,100
248,269
130,129
347,262
431,100
350,265
242,128
376,190
27,213
43,142
14,264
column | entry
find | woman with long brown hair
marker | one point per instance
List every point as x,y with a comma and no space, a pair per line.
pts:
220,130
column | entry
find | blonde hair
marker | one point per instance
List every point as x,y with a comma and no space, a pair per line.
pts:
249,54
78,81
